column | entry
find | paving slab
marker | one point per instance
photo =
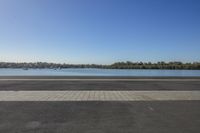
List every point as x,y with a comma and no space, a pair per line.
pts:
98,95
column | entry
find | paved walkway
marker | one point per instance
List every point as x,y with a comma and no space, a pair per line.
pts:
98,95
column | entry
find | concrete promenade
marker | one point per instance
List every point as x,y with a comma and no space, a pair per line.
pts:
99,105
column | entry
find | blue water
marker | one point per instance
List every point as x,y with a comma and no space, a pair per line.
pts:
97,72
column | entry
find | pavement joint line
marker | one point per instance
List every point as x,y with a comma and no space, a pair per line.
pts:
138,79
98,95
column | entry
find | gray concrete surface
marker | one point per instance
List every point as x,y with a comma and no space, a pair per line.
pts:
181,115
100,117
99,85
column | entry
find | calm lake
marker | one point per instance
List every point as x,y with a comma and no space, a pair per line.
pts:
97,72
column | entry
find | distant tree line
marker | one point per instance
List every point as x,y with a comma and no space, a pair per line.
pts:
41,65
158,65
117,65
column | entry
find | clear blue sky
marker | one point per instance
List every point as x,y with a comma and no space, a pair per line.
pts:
99,31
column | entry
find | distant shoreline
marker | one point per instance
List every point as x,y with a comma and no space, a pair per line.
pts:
118,65
94,68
